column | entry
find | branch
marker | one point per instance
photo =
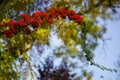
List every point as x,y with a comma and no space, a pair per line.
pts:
111,6
95,5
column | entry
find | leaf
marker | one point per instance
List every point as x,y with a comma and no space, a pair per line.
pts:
58,54
24,55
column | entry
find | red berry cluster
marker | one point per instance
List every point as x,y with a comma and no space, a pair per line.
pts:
63,13
35,20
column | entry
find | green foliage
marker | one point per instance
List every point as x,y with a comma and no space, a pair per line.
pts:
73,35
91,8
103,67
11,8
85,34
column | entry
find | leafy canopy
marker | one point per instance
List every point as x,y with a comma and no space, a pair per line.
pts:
18,32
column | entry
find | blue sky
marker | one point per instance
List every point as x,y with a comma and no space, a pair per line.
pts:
107,53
